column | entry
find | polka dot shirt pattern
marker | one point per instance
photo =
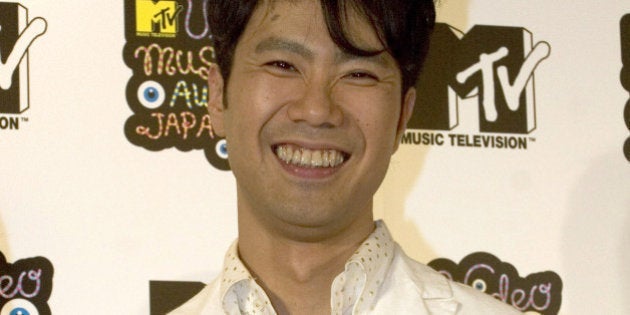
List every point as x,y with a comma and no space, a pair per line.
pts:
354,291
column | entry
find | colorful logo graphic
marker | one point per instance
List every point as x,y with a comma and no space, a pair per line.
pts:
168,90
25,286
625,75
495,65
157,18
538,292
16,36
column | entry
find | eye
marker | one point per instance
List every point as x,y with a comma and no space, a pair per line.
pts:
361,78
221,149
19,307
282,65
151,94
361,75
480,285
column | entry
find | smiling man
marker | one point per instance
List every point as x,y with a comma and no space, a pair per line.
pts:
313,97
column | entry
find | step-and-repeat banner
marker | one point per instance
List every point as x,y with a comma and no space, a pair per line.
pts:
116,196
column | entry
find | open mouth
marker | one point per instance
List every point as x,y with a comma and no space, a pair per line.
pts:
310,158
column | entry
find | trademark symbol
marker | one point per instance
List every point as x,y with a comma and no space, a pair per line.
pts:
24,119
532,139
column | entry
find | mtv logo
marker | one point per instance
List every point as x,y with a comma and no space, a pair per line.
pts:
494,63
14,97
16,36
157,18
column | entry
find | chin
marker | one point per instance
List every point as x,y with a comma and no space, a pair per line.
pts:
310,225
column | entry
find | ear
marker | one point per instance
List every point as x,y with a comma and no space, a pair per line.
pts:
216,108
406,110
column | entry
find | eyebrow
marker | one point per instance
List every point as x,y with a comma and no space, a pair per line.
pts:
378,59
276,43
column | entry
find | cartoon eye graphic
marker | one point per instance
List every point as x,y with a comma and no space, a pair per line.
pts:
19,307
221,149
216,152
151,94
480,285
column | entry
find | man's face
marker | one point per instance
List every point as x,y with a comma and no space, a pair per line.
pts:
310,129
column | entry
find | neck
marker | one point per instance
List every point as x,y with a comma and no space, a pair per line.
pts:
297,274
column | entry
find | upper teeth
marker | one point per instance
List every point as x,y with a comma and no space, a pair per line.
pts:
309,158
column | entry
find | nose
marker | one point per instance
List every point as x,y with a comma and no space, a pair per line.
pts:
316,107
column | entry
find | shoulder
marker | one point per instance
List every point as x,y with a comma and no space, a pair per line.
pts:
435,288
207,301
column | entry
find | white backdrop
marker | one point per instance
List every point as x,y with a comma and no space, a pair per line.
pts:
111,216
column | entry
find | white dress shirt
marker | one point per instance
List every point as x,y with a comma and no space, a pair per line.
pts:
379,278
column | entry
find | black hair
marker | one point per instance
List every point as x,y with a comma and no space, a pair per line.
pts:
403,27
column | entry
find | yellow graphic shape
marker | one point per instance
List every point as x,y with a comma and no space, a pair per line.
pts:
156,19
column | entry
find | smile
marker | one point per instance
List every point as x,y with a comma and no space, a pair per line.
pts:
310,158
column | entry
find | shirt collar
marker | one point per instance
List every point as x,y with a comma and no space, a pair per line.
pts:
354,290
240,293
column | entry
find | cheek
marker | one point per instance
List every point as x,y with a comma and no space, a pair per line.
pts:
377,116
252,102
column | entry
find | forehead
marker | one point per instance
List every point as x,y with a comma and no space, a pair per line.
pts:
306,19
